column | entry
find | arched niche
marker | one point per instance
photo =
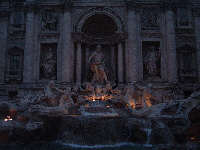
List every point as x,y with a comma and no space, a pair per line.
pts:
98,26
99,11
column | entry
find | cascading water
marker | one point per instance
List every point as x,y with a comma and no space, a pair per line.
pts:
148,130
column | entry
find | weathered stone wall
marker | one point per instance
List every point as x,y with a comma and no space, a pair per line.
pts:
136,22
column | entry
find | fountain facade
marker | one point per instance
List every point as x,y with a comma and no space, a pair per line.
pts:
121,70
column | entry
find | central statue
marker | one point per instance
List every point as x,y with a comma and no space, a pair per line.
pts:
97,66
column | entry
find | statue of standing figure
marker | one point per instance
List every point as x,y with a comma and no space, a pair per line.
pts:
150,60
97,66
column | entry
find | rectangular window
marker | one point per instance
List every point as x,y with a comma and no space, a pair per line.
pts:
184,18
14,64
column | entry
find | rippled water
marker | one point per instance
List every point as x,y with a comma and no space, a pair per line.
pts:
59,146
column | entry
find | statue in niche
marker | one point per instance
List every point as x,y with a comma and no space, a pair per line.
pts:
48,64
97,66
49,21
151,62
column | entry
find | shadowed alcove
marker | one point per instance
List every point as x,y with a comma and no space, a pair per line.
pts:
99,29
99,25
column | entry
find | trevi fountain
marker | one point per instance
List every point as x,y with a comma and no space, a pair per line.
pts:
99,75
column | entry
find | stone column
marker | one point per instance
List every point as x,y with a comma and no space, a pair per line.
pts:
113,63
67,53
3,41
120,64
197,34
171,45
132,45
78,64
163,49
36,60
28,74
86,62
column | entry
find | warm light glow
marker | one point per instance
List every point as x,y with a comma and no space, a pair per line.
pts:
8,118
132,104
148,101
192,138
103,97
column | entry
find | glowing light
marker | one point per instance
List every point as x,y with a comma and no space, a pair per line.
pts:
8,118
192,138
103,97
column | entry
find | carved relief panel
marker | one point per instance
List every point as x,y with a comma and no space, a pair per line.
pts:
150,19
49,21
17,22
151,60
48,61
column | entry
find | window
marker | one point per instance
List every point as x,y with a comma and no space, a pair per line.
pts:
14,64
186,64
184,17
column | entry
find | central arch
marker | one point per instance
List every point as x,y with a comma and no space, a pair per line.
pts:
99,25
106,12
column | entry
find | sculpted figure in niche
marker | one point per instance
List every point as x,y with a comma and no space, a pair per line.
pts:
151,62
49,65
97,66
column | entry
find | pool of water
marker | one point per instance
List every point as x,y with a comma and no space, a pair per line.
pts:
59,146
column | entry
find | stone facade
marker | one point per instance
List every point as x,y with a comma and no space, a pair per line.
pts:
144,41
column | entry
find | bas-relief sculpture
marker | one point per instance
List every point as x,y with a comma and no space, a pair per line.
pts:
49,21
150,19
48,62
